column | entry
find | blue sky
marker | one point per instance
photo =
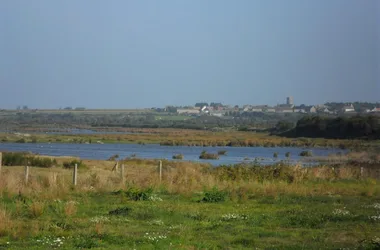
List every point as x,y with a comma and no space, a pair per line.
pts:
146,53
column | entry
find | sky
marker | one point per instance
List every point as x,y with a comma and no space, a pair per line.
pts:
149,53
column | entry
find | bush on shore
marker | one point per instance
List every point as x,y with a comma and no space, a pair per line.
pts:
71,164
178,157
306,153
207,156
22,159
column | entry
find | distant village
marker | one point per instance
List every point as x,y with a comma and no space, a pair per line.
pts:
218,109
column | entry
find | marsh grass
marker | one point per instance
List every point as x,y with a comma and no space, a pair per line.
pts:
36,209
185,137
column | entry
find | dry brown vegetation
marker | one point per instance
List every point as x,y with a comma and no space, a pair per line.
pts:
184,137
187,178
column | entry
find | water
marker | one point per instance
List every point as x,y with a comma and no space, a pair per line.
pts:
154,151
74,131
86,132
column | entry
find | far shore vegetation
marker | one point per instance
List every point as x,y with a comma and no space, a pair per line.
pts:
256,130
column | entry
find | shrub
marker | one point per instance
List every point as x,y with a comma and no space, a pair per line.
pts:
114,157
21,159
34,139
14,159
275,154
42,162
222,152
137,194
71,164
306,153
287,154
178,157
214,195
207,156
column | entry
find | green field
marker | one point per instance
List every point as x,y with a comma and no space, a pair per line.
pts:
102,220
193,207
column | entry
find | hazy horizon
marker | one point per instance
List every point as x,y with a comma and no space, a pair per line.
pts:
142,54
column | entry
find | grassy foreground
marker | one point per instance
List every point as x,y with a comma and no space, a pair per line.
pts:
192,207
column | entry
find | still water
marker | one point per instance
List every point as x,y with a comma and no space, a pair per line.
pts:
154,151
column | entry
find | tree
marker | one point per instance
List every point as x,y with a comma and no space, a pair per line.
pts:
171,109
283,126
216,104
201,104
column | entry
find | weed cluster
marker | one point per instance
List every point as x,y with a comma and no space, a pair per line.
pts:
137,194
214,195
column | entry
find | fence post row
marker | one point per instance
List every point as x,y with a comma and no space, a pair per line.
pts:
75,174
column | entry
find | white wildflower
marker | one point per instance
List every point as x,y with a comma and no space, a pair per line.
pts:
376,240
155,237
341,212
227,217
374,217
157,222
72,202
99,219
376,205
154,197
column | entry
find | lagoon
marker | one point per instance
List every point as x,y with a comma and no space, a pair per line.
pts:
154,151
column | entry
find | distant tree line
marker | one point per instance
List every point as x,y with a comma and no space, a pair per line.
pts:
138,120
364,126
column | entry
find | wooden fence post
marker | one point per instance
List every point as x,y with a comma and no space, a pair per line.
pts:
115,168
122,173
361,172
1,161
75,174
26,174
160,166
